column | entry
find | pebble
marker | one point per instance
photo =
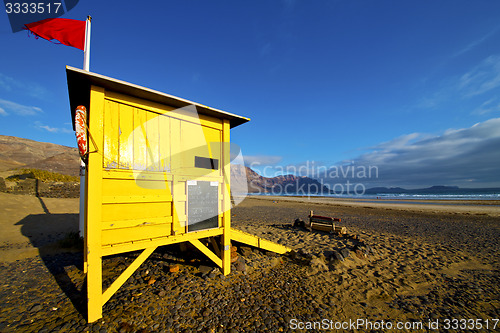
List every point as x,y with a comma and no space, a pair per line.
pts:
205,269
337,256
36,308
345,252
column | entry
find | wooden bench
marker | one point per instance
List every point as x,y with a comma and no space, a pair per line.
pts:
324,223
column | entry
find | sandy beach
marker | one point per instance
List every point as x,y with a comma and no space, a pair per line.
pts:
423,266
467,207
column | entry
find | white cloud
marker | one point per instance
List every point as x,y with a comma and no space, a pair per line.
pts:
477,42
482,78
5,82
3,112
31,89
467,157
19,109
475,83
452,158
397,142
489,106
41,126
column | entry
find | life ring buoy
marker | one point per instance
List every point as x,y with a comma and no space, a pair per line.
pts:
81,131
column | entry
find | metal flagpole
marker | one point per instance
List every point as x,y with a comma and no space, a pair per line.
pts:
86,52
86,67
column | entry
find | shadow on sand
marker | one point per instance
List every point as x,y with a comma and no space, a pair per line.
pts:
45,232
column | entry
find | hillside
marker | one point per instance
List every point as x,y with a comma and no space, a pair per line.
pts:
24,153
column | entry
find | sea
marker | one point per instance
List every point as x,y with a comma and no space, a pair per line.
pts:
417,195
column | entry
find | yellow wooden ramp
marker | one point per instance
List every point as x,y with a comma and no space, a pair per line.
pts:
252,240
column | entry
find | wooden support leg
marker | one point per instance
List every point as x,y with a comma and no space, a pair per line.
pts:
226,217
94,286
226,248
126,274
199,245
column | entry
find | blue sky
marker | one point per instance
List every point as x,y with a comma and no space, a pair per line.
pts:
411,87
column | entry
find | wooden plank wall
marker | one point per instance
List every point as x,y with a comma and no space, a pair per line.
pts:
148,155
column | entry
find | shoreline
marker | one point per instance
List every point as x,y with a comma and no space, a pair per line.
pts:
467,207
487,202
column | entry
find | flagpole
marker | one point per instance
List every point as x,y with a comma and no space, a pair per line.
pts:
86,52
86,67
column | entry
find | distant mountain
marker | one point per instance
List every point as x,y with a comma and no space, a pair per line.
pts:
23,153
375,190
285,184
437,189
441,188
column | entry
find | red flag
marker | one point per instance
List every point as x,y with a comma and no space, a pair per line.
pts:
66,31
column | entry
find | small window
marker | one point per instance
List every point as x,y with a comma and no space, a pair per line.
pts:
206,163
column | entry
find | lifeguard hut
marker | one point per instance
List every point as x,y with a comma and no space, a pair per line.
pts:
158,173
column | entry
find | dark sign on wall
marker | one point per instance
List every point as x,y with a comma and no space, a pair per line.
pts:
202,205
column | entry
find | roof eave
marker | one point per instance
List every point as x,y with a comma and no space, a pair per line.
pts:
79,82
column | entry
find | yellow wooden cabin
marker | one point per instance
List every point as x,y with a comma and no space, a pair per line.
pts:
158,173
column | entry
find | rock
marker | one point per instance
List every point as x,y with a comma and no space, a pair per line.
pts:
292,254
205,269
305,254
3,187
245,251
345,252
328,254
337,256
36,308
240,265
174,268
299,223
214,273
275,261
125,328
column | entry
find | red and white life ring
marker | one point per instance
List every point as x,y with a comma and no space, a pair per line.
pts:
81,130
